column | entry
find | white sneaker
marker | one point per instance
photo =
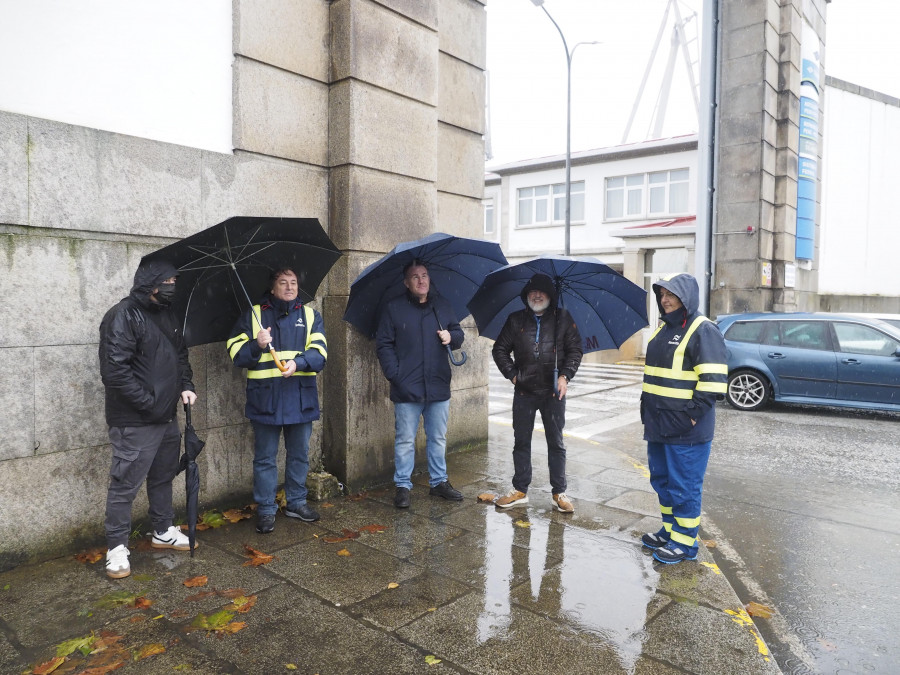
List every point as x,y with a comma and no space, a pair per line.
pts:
117,566
172,538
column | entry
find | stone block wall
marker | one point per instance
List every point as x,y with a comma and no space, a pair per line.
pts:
364,114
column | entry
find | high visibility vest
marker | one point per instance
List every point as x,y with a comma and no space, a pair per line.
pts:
675,381
265,367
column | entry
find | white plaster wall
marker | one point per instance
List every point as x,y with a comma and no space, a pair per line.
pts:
860,237
159,70
592,237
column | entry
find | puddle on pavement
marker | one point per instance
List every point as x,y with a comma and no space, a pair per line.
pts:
601,585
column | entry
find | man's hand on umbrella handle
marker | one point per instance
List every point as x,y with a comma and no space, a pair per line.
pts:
444,336
264,337
188,397
290,367
562,384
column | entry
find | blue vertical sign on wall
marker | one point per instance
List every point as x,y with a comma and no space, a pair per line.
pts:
808,150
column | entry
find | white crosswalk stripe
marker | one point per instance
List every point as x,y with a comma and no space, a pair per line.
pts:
600,398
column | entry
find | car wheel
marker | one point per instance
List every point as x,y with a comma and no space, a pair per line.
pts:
748,390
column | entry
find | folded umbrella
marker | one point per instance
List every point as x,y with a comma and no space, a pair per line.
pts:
456,267
188,463
607,308
222,267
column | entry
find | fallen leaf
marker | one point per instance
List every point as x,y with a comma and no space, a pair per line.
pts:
372,529
82,644
522,523
141,603
214,622
91,555
242,603
432,609
211,519
344,552
432,660
487,498
149,650
232,593
290,666
234,627
327,505
116,599
393,584
343,536
281,498
49,666
257,558
756,609
194,582
709,543
358,497
236,515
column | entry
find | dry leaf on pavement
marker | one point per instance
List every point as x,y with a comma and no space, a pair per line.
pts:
194,582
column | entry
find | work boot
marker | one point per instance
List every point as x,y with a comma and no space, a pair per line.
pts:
303,512
655,540
401,499
673,553
117,566
512,498
446,491
172,538
265,522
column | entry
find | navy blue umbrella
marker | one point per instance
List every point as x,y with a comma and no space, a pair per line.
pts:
456,267
607,308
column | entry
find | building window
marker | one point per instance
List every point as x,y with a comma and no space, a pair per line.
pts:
546,204
666,194
489,217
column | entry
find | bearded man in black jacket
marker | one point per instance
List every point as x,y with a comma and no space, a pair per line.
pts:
145,370
534,343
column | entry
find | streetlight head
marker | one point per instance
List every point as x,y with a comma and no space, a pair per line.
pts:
537,3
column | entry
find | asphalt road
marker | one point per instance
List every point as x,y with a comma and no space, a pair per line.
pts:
807,504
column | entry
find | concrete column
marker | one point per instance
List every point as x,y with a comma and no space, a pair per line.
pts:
406,115
757,149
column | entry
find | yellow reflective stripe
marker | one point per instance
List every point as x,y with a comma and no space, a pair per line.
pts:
234,344
273,372
671,374
688,522
668,391
678,358
711,368
665,509
679,538
668,527
713,387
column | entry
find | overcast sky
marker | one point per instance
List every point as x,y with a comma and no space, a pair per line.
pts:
527,68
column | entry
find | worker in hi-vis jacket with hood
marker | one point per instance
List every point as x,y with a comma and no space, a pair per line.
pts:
684,374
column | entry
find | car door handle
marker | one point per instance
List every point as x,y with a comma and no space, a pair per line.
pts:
851,362
776,355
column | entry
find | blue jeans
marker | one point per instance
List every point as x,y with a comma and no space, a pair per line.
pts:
406,423
553,416
676,474
265,464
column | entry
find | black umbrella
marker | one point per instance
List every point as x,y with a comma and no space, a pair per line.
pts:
224,266
192,447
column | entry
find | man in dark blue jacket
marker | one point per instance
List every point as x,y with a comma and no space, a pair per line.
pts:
145,371
411,341
281,392
685,372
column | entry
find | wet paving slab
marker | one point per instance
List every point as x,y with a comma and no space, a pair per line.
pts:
457,587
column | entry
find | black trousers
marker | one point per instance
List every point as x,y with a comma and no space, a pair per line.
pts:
553,416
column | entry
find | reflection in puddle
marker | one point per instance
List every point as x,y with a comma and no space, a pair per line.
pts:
602,585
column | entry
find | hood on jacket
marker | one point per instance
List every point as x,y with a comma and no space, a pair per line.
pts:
150,275
539,282
685,287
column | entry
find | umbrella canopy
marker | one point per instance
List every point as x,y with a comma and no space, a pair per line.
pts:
607,308
192,447
456,267
225,269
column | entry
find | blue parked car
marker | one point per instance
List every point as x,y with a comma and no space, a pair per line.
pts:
811,358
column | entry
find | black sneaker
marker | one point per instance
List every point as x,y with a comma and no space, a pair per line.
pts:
446,491
654,540
673,553
303,512
265,523
401,499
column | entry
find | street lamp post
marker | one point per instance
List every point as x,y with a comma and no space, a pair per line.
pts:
569,55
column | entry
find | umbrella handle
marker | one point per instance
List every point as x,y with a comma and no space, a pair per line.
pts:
453,360
275,358
187,413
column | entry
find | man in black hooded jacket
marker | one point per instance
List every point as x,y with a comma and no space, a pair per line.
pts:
145,370
526,354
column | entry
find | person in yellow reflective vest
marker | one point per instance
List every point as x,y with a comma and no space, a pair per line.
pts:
685,372
280,401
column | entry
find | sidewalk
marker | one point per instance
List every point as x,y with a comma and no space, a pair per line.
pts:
528,590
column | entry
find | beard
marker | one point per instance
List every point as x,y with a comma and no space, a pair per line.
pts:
539,307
